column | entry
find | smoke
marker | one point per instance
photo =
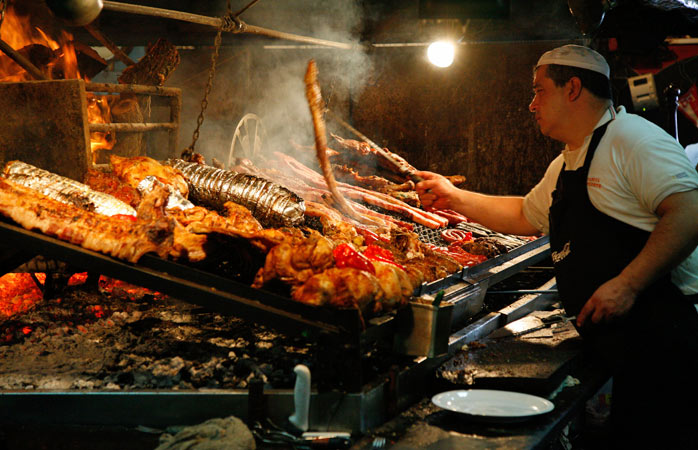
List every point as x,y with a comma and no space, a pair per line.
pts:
266,78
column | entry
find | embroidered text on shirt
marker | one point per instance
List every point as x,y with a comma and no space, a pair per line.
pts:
562,254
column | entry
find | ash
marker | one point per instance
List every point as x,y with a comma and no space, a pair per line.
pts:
115,339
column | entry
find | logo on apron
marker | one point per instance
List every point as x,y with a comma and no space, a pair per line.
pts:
562,254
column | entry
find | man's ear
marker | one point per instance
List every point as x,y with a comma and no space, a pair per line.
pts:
574,88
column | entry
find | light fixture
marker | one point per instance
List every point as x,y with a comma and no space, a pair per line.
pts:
441,53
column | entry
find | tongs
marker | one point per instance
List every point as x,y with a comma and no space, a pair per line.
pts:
267,432
546,322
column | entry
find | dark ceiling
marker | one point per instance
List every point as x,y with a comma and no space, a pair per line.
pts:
637,24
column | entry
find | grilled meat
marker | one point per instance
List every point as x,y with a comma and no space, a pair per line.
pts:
182,243
109,183
404,192
133,170
270,203
362,152
294,264
312,93
341,288
395,283
333,226
65,190
117,237
485,246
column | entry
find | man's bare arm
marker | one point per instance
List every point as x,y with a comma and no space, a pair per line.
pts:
502,214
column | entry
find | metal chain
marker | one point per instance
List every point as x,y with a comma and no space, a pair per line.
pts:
227,24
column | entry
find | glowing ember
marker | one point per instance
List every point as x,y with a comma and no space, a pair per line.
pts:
124,289
18,293
77,278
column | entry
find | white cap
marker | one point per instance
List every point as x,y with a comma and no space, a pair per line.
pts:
576,56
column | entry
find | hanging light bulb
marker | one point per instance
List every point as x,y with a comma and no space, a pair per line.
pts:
441,53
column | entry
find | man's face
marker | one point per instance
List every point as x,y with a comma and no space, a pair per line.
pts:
548,104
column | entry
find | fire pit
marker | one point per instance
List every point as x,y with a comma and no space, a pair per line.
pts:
68,143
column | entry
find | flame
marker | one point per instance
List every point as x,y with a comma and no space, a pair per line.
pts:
62,63
98,111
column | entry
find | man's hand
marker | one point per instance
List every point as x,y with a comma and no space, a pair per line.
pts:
436,191
611,300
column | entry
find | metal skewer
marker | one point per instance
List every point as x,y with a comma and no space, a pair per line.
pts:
375,146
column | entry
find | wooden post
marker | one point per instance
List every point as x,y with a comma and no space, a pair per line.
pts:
44,123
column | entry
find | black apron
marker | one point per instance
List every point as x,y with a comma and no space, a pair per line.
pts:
652,351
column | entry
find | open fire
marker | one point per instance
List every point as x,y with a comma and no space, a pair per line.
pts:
56,59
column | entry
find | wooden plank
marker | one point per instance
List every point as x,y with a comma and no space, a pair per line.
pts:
45,124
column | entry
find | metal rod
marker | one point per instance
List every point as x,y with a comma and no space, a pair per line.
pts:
116,51
22,61
252,29
526,291
353,130
216,22
132,89
131,127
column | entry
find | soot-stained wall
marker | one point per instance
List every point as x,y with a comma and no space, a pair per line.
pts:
470,119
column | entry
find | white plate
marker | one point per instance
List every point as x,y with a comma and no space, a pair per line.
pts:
490,404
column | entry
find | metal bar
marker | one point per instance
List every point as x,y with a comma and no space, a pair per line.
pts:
133,89
22,61
525,291
131,127
218,23
116,51
12,258
501,267
211,291
493,321
252,29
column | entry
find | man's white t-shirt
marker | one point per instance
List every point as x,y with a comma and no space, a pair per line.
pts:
635,167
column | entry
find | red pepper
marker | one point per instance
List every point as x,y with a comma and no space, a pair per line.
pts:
125,217
370,237
376,253
346,256
463,257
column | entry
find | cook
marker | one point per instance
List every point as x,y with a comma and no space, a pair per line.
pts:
620,204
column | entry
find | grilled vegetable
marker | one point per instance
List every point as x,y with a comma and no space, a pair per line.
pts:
270,203
65,190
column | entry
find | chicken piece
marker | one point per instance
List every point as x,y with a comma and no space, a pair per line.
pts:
182,243
395,283
238,223
295,264
345,287
132,171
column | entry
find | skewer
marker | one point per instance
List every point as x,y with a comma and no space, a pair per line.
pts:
375,146
216,22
